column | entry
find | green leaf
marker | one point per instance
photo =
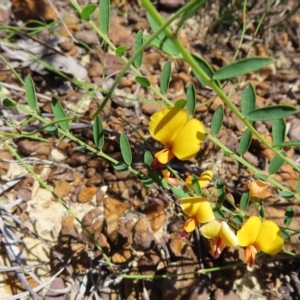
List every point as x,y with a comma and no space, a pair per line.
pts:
261,176
285,235
196,185
87,11
261,210
165,77
138,42
206,68
288,144
8,103
98,132
125,149
245,200
248,99
220,191
121,167
60,114
179,192
180,103
275,164
286,194
219,213
148,158
51,129
288,216
245,142
147,181
104,15
298,187
188,13
162,42
238,219
241,67
278,132
271,113
80,148
191,99
217,120
143,81
30,93
120,50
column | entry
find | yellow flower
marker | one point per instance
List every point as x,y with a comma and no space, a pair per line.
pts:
221,236
204,180
180,135
257,235
199,211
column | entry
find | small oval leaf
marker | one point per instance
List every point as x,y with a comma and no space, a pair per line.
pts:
121,167
288,216
294,143
148,158
286,194
165,77
191,99
120,50
30,93
241,67
87,11
245,142
180,103
238,219
143,81
138,42
8,103
206,68
104,15
248,99
147,181
278,132
179,192
271,113
275,164
98,132
196,185
220,191
125,149
245,200
217,120
60,114
285,235
219,213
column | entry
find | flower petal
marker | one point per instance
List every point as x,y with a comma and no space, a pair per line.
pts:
165,125
164,156
211,230
197,207
187,142
269,239
250,253
190,225
228,236
248,233
204,180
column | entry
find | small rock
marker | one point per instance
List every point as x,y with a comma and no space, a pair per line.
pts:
86,194
95,69
89,37
62,188
56,284
172,3
150,108
67,46
156,215
122,256
25,194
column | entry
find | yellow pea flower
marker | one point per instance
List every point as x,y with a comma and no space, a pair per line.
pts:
180,134
257,235
221,236
204,180
199,211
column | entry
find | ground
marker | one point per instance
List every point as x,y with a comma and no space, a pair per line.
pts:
139,228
